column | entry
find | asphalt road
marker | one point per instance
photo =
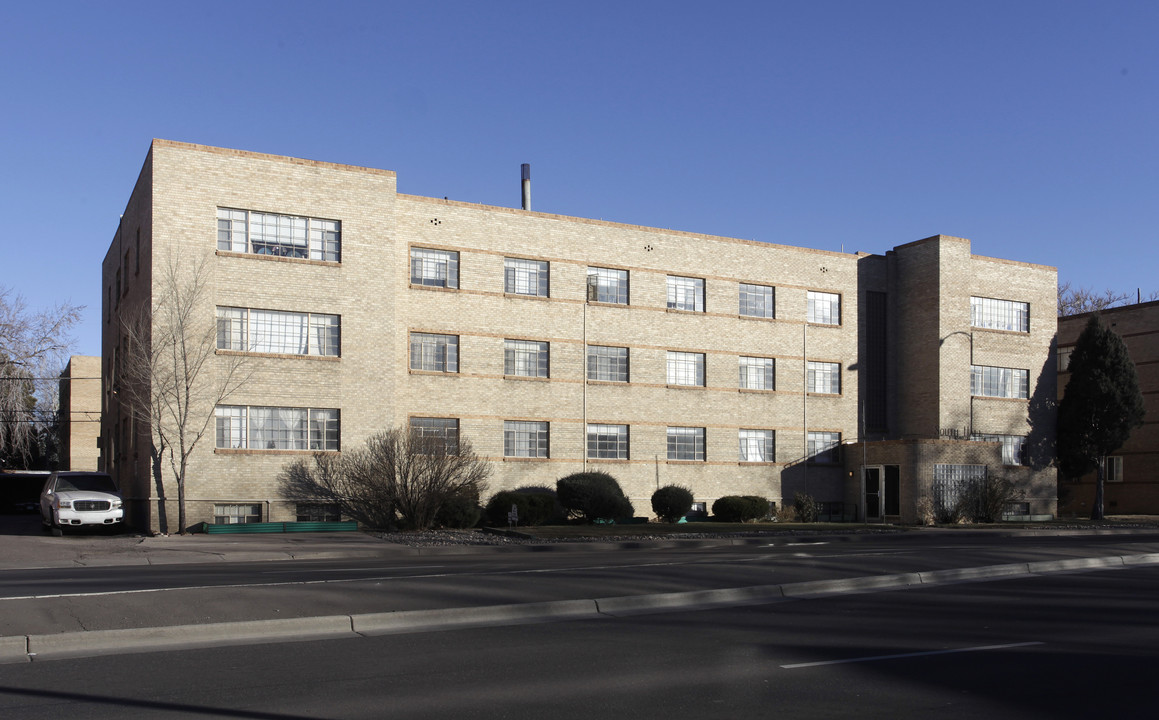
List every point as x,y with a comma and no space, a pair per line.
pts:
1064,646
100,598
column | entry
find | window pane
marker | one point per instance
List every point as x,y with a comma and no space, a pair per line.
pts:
685,368
824,447
525,277
685,293
446,430
324,430
823,308
525,439
231,328
756,373
525,358
325,335
608,441
685,443
756,301
230,426
756,446
999,314
434,268
824,377
438,353
609,364
1013,446
999,382
607,285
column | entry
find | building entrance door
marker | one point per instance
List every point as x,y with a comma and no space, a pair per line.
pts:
871,480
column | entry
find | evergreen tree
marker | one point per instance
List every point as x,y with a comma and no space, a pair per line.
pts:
1102,404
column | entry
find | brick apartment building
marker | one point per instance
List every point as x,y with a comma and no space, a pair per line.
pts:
80,413
1132,485
558,343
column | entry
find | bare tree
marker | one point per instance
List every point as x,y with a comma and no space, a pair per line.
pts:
168,381
33,348
1076,300
399,477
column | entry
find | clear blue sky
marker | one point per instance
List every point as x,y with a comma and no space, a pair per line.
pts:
1031,128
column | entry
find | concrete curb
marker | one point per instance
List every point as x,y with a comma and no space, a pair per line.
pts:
455,618
871,583
102,642
957,575
695,600
13,649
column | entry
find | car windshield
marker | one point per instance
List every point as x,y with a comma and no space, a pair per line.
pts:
89,483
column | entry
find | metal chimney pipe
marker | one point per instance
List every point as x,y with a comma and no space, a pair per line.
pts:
525,172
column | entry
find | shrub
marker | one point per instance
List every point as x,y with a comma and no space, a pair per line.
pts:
927,510
533,508
399,477
593,496
460,511
672,502
984,500
740,508
808,509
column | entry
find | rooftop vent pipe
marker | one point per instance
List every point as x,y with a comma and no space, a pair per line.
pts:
525,173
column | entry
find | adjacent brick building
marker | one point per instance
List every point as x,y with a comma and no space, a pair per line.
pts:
558,343
1132,481
80,413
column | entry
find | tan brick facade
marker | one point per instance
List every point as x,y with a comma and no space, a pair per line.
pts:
925,381
80,413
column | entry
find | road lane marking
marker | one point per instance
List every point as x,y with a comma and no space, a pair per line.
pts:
875,658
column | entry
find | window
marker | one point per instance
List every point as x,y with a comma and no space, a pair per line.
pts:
757,446
609,364
999,382
236,514
1064,354
823,308
434,268
608,286
273,428
437,353
685,368
824,377
230,426
685,293
686,443
1013,446
994,314
445,430
291,236
323,429
824,447
525,358
608,442
524,439
525,277
318,512
756,373
1113,468
757,301
271,331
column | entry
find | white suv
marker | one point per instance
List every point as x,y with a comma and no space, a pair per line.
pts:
74,499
